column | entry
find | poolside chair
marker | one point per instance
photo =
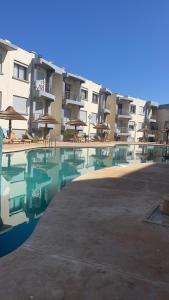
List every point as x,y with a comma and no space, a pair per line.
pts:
27,138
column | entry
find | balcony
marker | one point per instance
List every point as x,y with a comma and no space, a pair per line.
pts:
153,119
73,99
122,114
122,131
44,92
107,111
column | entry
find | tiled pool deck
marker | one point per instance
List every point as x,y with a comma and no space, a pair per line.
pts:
93,244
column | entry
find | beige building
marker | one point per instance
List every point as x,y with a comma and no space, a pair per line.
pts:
88,101
35,86
133,115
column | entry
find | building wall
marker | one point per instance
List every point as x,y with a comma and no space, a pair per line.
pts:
110,119
138,119
89,106
162,119
56,106
162,116
10,87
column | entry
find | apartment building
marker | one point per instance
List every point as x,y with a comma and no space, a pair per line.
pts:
133,115
46,94
35,86
88,101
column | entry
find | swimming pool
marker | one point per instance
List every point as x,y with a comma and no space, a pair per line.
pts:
30,179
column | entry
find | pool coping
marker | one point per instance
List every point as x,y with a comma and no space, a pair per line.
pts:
77,145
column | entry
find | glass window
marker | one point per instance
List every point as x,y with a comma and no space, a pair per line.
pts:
20,104
133,109
0,62
94,118
95,98
83,115
84,94
131,125
141,110
20,71
67,90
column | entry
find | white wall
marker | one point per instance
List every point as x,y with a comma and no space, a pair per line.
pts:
10,86
89,106
137,118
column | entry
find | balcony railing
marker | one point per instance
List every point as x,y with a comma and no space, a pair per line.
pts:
43,87
123,112
72,96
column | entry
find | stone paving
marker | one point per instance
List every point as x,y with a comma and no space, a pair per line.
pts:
93,244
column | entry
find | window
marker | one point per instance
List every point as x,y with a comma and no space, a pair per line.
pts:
140,125
141,110
94,118
120,109
16,204
40,80
83,115
95,98
133,109
20,71
131,125
20,104
0,63
67,113
67,90
84,94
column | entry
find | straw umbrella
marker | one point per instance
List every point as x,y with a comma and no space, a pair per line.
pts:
101,127
46,119
11,114
76,122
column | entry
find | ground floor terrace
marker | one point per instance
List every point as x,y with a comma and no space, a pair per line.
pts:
96,241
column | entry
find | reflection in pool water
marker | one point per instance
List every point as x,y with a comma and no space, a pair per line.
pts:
30,179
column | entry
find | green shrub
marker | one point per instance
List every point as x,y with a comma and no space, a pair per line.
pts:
68,134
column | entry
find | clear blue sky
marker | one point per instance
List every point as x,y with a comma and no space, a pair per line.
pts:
123,44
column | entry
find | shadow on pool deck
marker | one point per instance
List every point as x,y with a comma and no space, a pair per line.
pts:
92,243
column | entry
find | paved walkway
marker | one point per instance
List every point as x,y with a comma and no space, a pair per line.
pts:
92,243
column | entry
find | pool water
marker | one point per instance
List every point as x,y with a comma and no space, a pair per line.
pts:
30,180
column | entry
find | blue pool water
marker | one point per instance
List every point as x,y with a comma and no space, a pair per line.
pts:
30,179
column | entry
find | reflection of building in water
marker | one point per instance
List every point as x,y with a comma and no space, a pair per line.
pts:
136,154
25,191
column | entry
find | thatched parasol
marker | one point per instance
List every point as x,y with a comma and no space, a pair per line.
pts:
11,114
102,126
46,119
76,122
